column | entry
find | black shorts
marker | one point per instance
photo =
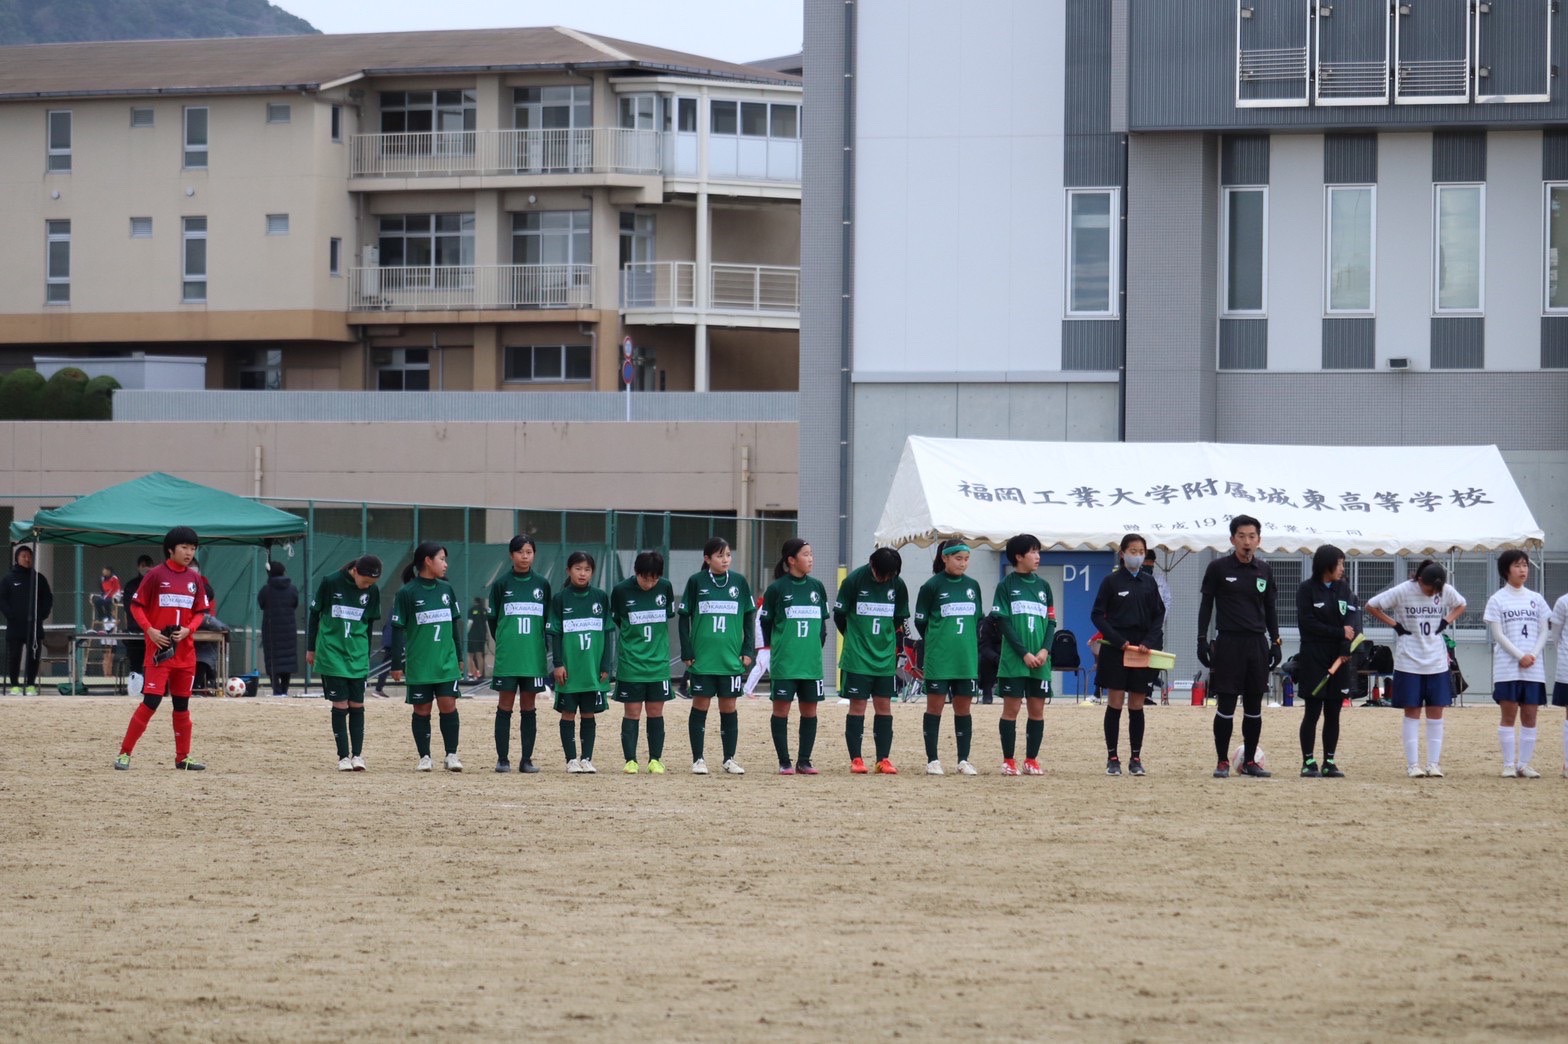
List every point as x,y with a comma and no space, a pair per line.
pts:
514,683
431,691
1023,688
339,689
642,692
1241,664
724,686
950,687
868,686
593,702
807,690
1113,674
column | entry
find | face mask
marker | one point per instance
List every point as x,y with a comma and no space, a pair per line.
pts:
1132,562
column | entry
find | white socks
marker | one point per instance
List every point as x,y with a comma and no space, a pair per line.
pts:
1434,740
1526,745
1505,739
1565,742
1412,737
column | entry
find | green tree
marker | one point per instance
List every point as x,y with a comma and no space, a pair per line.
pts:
62,397
20,391
63,21
97,396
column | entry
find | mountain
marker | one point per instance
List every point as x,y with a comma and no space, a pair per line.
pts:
64,21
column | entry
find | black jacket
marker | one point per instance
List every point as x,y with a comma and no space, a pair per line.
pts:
279,603
16,599
1128,609
1322,611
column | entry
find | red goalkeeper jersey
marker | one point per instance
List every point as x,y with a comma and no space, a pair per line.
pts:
171,596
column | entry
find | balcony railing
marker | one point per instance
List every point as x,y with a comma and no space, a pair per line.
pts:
580,150
672,286
470,287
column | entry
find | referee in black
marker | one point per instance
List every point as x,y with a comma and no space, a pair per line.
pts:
1241,587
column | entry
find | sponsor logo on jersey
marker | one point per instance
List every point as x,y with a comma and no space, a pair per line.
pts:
716,607
176,601
1022,608
522,609
882,609
645,616
958,609
347,612
803,612
432,616
582,624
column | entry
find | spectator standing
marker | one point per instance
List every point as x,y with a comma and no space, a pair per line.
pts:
135,649
26,602
279,603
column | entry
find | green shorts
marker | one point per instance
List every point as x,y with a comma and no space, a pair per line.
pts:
513,683
950,687
807,690
339,689
592,702
724,686
1024,688
434,690
642,692
867,686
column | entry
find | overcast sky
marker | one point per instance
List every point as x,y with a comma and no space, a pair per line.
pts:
732,30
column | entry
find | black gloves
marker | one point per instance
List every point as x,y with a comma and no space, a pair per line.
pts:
1442,625
1276,654
1400,628
1203,652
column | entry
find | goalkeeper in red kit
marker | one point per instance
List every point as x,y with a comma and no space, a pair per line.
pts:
168,607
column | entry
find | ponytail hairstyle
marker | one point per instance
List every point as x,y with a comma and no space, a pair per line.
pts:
791,548
713,547
939,564
422,554
367,566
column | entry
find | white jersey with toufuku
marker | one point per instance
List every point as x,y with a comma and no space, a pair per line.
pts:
1422,651
1523,615
1560,626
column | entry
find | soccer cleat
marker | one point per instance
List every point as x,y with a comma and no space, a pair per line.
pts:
14,690
190,764
857,766
574,766
1509,772
732,768
451,764
1527,771
805,768
1222,770
503,766
424,764
528,767
1009,767
31,690
786,769
934,768
1435,770
631,768
655,767
1310,770
1252,768
966,769
123,762
699,767
378,694
1032,767
1113,766
885,768
1416,771
345,764
358,763
587,766
1331,771
1135,767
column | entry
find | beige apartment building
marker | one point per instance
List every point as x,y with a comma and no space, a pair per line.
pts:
498,210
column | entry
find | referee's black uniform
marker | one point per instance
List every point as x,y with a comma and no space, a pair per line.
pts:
1240,596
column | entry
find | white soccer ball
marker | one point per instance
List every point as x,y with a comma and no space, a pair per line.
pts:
1237,754
235,687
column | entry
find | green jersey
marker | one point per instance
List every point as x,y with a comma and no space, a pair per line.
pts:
580,637
423,611
643,622
870,613
338,626
517,606
716,619
1022,605
947,612
793,614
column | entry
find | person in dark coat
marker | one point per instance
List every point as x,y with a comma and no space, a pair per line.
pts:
26,602
279,603
1329,617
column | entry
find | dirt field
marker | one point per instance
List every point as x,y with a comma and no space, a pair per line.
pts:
272,898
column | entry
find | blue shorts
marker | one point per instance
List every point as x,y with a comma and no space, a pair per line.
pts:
1560,694
1528,692
1421,690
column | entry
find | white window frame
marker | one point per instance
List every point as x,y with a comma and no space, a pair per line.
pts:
1293,102
1437,192
58,160
335,124
1262,310
277,224
54,233
335,256
190,151
1468,59
188,235
1546,247
1114,231
1476,71
280,112
1328,251
141,228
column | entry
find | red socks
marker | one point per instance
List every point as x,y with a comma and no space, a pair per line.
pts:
182,735
133,732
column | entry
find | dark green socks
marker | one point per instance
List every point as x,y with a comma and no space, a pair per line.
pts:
569,738
526,732
696,727
964,730
931,729
340,730
1009,734
421,726
1034,732
780,729
882,733
808,739
629,729
729,732
448,731
503,735
590,728
854,733
356,729
655,739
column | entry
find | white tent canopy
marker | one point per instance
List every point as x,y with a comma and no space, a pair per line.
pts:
1383,500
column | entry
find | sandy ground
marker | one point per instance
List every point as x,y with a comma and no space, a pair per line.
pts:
272,898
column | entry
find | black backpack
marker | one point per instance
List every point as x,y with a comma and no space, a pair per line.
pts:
1064,651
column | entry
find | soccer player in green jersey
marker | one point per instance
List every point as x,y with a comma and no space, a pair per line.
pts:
518,601
1023,610
641,607
947,615
794,611
425,615
338,631
715,625
580,647
872,606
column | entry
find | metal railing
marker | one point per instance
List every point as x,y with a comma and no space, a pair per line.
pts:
454,287
578,150
754,288
660,285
